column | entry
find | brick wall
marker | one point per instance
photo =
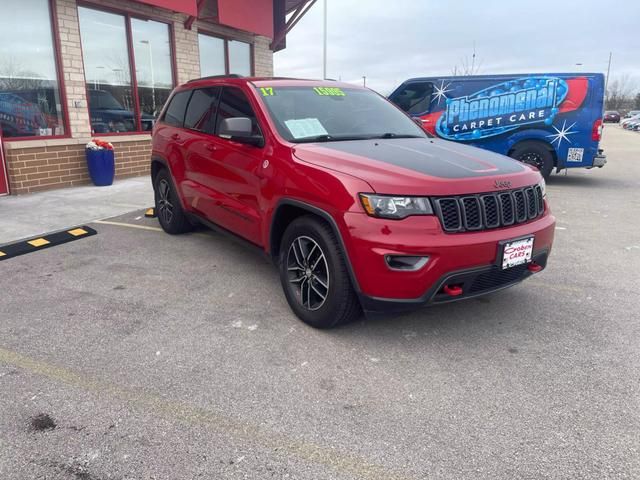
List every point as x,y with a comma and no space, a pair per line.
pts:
32,169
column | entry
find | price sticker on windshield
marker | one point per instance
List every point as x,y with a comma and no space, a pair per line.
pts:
329,91
267,91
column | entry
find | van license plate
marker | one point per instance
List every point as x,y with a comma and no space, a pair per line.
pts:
517,252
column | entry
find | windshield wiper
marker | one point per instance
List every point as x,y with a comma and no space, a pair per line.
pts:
396,135
330,138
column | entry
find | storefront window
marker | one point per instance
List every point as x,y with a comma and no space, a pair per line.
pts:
152,52
215,59
107,72
211,56
30,103
107,68
239,58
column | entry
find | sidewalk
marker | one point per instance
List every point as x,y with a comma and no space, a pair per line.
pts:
33,214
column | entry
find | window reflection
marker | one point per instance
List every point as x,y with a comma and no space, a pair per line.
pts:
239,58
154,75
211,55
29,92
107,72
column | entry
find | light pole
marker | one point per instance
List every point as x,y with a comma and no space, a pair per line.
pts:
153,82
324,42
96,81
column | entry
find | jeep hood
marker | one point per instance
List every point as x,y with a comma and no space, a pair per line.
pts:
419,166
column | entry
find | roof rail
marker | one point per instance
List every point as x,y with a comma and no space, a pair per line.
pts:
231,75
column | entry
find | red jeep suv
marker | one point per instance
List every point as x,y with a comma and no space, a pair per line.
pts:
357,205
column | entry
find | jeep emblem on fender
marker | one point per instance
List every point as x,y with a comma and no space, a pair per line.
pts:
502,184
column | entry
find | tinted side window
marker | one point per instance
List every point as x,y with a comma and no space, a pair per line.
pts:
234,103
414,98
175,111
201,112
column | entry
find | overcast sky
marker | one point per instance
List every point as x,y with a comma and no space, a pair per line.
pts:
390,41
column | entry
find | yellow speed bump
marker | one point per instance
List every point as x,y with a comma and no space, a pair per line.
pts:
76,232
45,241
39,242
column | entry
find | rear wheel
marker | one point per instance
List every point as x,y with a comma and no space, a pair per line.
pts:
314,275
534,154
168,208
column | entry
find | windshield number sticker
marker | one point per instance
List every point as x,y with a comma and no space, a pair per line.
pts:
329,91
267,91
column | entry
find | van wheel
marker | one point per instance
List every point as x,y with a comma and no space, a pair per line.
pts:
534,154
314,275
168,209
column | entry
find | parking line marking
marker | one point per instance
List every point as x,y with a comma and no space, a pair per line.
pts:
38,242
353,464
130,225
43,242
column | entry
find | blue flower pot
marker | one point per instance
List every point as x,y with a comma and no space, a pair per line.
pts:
102,166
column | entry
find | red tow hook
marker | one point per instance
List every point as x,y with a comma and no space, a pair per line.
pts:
534,267
452,290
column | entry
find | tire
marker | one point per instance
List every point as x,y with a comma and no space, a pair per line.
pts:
167,204
311,265
535,154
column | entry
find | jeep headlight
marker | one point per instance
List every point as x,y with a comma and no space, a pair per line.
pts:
390,206
543,187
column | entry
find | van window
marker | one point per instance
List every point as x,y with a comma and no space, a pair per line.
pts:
175,111
414,98
234,103
202,109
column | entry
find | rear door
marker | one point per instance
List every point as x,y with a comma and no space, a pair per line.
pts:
4,179
199,148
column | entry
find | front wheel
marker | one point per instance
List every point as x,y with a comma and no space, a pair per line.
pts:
314,275
534,154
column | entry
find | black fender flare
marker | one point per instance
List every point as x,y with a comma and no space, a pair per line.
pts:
325,216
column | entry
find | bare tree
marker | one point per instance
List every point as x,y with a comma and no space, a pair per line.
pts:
468,65
619,94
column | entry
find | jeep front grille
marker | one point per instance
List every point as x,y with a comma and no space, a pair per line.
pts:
483,211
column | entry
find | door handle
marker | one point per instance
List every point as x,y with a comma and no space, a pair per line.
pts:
175,136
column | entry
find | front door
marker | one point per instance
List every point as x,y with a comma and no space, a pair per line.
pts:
4,179
235,171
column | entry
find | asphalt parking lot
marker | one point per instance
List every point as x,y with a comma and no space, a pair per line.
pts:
177,357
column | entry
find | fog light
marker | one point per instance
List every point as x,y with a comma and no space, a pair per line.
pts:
405,262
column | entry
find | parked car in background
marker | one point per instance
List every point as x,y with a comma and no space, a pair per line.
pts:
626,120
355,203
108,115
549,120
633,123
20,118
632,113
611,116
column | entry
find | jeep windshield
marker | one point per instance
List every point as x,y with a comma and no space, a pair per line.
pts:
329,114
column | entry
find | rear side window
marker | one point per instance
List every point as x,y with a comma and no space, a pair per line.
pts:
414,98
202,109
176,109
234,103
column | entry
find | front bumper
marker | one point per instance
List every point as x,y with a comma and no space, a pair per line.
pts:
467,259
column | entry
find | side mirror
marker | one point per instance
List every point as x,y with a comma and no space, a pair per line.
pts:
239,130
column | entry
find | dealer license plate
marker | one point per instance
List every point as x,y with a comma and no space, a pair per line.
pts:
517,252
